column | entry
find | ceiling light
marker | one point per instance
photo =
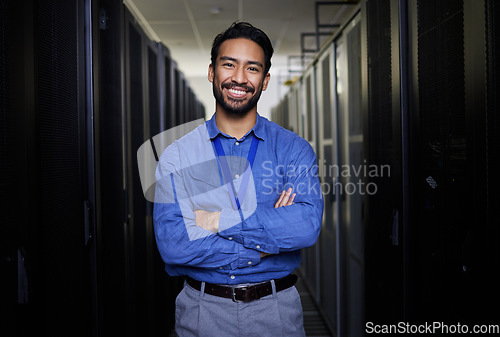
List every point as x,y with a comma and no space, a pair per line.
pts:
215,10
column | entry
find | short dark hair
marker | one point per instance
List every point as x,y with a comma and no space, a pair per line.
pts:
247,31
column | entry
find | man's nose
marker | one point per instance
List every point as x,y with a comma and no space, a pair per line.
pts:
239,75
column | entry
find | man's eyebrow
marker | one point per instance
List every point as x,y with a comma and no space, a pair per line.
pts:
229,58
256,63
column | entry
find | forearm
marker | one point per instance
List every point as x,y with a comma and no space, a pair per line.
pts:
274,230
181,242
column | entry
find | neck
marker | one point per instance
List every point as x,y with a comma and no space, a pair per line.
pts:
235,126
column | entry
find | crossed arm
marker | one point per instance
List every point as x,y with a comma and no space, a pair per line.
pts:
210,220
185,233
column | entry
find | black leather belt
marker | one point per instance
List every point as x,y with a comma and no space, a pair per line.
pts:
244,294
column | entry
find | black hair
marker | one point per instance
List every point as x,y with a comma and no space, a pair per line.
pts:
247,31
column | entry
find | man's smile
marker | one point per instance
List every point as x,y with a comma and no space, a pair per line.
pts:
236,93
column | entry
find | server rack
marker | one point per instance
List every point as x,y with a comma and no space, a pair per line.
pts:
111,201
413,94
338,118
352,185
8,237
179,96
47,255
136,133
77,244
293,104
453,242
493,123
327,161
384,211
169,90
141,93
310,256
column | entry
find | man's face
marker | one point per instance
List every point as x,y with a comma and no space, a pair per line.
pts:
238,76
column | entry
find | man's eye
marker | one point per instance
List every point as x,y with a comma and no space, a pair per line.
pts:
228,65
253,69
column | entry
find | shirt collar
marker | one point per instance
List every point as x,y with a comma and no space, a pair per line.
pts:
258,129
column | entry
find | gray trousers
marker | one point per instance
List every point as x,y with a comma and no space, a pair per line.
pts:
202,315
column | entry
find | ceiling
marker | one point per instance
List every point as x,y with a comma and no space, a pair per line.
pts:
188,27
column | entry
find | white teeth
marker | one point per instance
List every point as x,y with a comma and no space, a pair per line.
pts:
237,92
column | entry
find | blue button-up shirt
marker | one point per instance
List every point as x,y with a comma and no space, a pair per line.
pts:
189,177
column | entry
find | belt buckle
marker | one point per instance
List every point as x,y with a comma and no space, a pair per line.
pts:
233,293
250,294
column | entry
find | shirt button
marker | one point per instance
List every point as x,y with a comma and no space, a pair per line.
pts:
220,267
230,238
237,143
236,176
258,247
249,262
232,277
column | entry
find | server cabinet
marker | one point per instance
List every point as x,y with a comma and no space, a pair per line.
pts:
441,214
155,82
294,111
61,117
286,111
301,108
191,104
384,211
46,257
9,241
183,88
169,91
134,95
142,97
163,53
416,107
135,134
164,288
329,263
179,85
310,268
454,243
111,208
493,132
280,115
309,106
60,114
353,187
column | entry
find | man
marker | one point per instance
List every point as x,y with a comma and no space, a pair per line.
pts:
236,200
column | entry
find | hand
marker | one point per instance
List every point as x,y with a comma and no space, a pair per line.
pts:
207,220
286,198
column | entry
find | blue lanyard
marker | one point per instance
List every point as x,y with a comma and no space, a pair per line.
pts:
226,173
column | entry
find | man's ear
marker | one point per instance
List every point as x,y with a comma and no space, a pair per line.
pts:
266,81
210,73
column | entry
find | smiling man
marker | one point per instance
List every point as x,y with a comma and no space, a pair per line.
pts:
227,212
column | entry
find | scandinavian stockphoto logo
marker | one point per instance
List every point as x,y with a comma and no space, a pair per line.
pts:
334,179
148,154
188,172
